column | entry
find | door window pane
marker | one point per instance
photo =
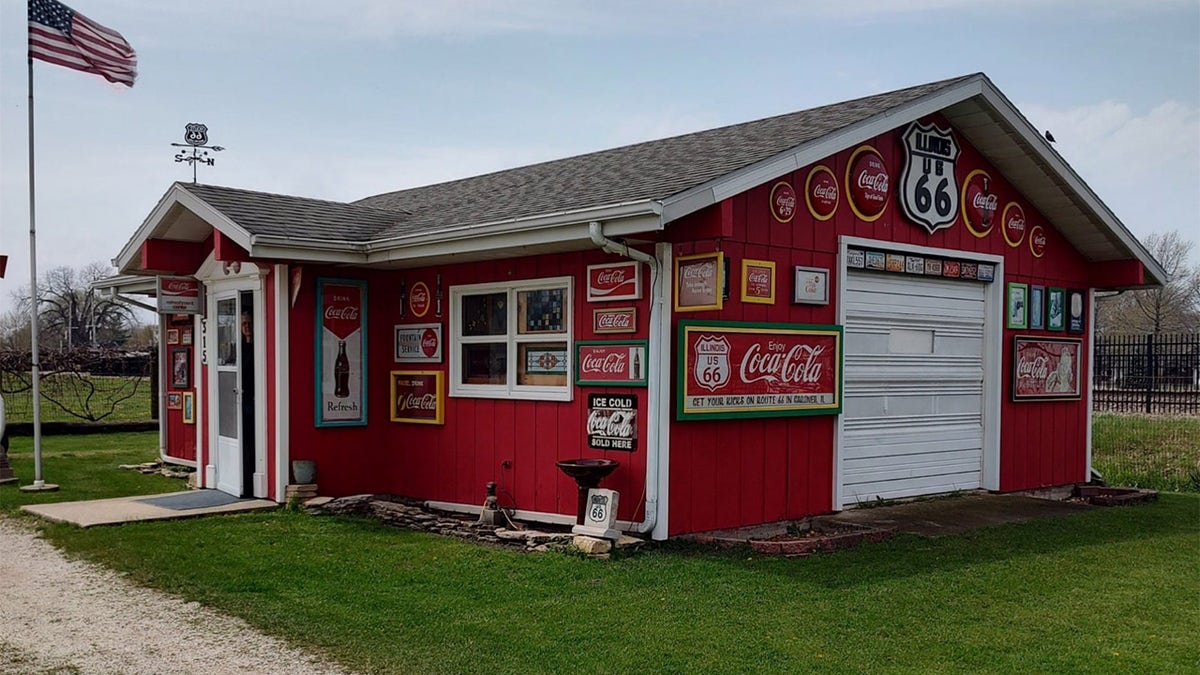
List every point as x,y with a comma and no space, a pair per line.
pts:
227,403
227,332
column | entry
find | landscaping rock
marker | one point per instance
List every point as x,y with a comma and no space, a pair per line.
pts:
591,545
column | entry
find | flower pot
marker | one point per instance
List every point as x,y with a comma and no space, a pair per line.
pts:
304,471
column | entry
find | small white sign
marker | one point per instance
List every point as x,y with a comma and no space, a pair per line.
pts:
600,515
419,343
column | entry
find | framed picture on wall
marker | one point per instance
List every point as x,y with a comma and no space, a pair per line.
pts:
189,407
811,286
181,368
172,336
1037,307
758,281
1018,305
1076,311
1046,368
1056,309
174,401
699,280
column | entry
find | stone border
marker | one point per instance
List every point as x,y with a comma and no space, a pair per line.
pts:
821,535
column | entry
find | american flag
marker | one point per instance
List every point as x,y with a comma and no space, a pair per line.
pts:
60,35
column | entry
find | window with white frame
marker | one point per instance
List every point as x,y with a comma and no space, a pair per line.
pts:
511,340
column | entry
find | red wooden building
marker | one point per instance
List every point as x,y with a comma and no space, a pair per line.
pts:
881,298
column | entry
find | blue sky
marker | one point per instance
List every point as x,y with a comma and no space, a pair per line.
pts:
341,99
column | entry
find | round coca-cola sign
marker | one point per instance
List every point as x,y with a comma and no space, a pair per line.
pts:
418,299
1037,241
429,342
1013,223
821,192
978,203
867,183
783,202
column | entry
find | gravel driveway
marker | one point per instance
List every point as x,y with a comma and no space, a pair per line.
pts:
67,616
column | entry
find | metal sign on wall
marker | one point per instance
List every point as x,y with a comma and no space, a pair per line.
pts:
612,422
179,295
735,369
1046,368
928,185
341,353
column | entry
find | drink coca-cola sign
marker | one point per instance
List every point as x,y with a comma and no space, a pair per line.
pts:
1037,241
612,422
179,295
1046,368
1013,224
614,320
698,281
980,205
821,192
419,343
417,397
783,201
731,369
758,281
614,281
611,364
867,183
341,352
419,299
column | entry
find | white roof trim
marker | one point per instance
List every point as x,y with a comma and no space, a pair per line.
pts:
177,194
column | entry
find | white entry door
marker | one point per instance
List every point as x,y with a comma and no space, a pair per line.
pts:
914,387
227,405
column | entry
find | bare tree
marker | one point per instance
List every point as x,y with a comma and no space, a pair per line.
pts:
71,314
1173,308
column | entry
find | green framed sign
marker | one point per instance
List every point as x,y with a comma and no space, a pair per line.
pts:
730,369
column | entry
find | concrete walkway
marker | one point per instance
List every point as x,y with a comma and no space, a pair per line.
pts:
953,515
169,506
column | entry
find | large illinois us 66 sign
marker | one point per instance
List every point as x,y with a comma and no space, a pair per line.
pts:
734,369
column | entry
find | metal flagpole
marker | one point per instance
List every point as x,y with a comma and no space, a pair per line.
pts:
38,484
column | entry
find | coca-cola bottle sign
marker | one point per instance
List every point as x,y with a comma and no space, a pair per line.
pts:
611,363
821,191
867,183
980,205
341,377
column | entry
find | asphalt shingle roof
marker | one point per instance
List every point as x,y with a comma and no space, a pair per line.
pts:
653,170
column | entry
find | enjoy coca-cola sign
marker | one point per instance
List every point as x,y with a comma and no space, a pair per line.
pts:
821,192
1046,368
867,183
759,370
783,201
614,281
611,363
614,320
417,396
419,343
179,295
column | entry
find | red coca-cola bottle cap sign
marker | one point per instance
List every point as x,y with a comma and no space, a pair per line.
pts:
867,183
979,203
1037,241
429,342
821,192
1014,224
783,202
418,299
342,309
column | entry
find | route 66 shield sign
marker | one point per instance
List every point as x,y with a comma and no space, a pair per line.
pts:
712,362
929,184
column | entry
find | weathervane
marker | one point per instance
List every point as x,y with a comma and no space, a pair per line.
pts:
196,135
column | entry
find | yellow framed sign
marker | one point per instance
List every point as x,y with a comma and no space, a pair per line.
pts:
758,281
699,279
418,396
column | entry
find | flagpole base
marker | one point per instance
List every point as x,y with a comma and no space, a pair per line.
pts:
40,486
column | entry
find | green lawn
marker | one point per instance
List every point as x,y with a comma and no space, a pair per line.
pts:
1160,453
1110,590
113,399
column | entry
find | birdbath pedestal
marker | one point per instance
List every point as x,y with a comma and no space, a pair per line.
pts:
587,474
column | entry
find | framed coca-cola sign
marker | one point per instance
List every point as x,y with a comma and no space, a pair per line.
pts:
614,281
418,397
341,353
1046,368
698,281
611,364
419,343
179,295
614,320
738,369
758,281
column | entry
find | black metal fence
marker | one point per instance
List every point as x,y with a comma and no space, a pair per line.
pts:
1148,374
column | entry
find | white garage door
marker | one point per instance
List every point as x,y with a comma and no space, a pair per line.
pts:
913,417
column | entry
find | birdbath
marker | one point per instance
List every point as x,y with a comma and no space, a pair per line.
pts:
587,474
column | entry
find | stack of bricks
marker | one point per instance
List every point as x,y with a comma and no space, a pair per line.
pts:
302,492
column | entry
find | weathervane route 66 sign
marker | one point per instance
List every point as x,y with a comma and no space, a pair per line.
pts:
928,184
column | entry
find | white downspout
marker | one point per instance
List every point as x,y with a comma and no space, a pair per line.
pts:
654,381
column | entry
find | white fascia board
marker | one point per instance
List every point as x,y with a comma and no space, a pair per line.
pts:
122,284
178,195
1054,161
606,214
739,181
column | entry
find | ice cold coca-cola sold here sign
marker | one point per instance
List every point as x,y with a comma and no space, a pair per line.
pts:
731,369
